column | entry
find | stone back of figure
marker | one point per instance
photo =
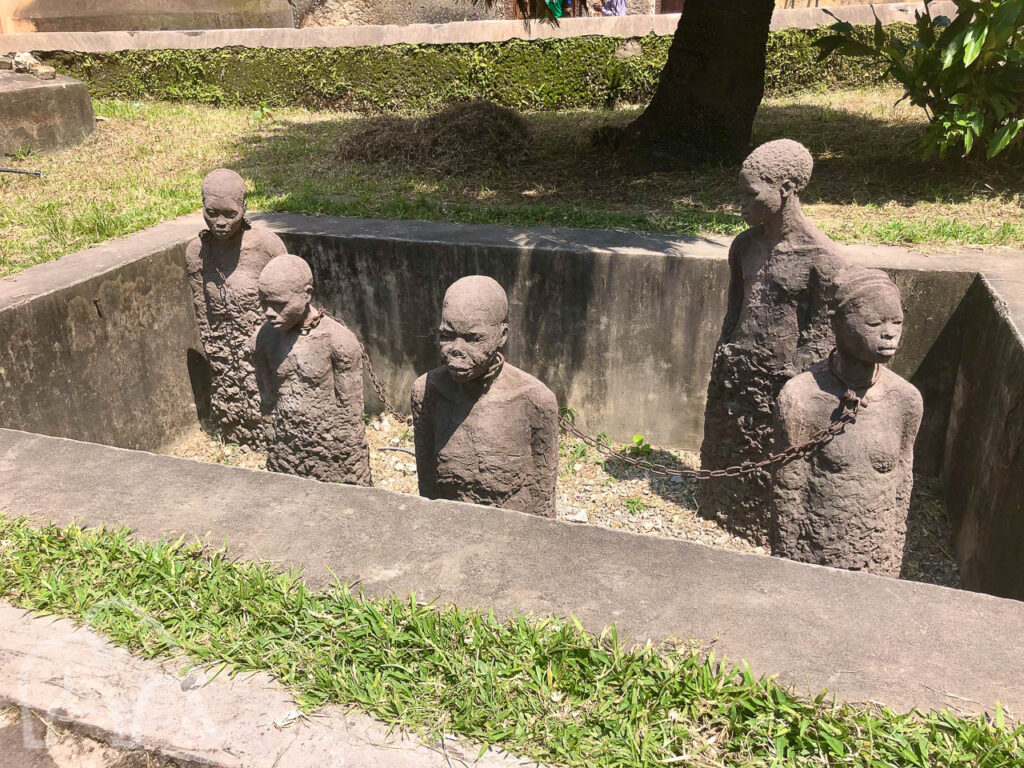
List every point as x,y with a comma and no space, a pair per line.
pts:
309,370
485,431
223,266
778,323
846,503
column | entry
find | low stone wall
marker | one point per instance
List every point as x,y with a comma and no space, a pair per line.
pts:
97,346
862,637
48,16
43,115
101,345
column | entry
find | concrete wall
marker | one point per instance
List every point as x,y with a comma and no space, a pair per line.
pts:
862,637
27,16
97,346
984,446
433,34
101,346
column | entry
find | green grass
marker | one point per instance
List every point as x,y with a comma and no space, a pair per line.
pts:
542,688
146,160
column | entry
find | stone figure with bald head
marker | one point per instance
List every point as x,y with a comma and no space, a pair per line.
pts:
310,376
223,266
486,432
845,504
777,324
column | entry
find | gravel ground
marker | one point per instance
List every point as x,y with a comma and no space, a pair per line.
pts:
616,495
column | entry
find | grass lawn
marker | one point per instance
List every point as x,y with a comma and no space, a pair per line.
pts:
540,688
145,162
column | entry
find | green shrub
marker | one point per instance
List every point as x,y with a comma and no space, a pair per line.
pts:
573,73
967,73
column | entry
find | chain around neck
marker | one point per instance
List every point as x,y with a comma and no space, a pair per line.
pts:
875,374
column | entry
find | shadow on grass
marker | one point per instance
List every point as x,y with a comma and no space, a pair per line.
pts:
559,178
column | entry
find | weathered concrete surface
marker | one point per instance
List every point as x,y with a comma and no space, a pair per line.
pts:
984,447
860,636
431,34
97,345
70,676
622,327
62,16
43,115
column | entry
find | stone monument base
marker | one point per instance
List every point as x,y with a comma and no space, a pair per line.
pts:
114,15
43,115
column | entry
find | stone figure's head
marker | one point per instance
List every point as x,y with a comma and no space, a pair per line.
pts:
771,175
869,319
474,326
224,203
286,289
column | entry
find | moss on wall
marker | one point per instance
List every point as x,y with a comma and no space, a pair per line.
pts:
546,74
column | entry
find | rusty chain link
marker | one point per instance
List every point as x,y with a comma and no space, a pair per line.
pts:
850,404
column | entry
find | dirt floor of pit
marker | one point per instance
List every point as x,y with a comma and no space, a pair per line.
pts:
613,494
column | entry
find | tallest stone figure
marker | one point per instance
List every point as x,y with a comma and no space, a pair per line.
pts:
778,323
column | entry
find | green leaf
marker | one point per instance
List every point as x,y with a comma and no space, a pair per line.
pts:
974,40
1003,137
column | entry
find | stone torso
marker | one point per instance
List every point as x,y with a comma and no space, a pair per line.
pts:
224,280
846,504
313,400
498,448
779,324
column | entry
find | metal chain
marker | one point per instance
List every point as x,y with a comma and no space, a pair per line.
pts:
849,404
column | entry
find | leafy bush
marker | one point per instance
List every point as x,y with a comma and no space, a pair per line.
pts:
967,73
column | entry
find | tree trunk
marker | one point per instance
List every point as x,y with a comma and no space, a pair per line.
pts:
711,86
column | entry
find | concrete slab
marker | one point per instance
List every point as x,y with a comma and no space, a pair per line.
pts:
33,16
72,677
860,636
432,34
43,115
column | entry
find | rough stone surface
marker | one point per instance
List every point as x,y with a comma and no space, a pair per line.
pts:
434,34
43,113
57,16
861,636
846,503
486,432
223,266
310,376
70,676
777,324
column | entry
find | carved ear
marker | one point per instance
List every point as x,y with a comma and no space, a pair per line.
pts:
788,188
504,335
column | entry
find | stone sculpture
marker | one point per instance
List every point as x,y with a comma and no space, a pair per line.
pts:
310,375
777,324
846,503
486,432
223,266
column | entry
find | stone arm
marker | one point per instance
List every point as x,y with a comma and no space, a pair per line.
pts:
734,300
911,424
789,482
194,273
423,437
264,376
347,367
544,451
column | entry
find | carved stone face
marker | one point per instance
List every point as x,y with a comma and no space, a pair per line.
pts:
469,339
760,200
223,212
284,308
871,327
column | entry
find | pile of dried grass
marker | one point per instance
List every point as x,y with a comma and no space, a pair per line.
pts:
474,135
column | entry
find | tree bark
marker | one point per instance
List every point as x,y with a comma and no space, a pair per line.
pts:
711,87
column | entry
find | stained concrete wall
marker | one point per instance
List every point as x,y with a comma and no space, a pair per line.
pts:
28,16
97,346
43,115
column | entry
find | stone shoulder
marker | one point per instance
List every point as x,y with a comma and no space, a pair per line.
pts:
538,391
193,260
